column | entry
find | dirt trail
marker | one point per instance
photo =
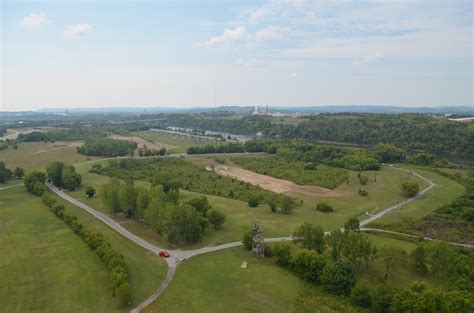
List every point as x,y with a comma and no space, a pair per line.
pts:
141,142
273,184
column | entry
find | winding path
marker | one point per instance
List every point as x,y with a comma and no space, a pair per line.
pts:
177,256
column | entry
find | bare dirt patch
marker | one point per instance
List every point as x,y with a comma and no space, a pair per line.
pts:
273,184
141,142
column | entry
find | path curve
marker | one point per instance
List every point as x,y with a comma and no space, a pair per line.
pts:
176,256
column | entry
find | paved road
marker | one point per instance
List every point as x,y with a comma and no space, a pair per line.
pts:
176,256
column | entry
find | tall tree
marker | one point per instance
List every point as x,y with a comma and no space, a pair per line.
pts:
310,236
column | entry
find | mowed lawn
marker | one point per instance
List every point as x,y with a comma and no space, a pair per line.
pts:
36,155
215,282
45,267
382,194
446,190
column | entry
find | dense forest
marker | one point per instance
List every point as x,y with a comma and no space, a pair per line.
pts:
410,131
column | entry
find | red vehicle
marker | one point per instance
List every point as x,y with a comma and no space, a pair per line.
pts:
164,254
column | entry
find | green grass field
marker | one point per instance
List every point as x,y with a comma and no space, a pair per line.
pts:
182,143
36,155
215,283
49,268
445,191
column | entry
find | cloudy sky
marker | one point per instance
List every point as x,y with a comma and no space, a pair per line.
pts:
211,53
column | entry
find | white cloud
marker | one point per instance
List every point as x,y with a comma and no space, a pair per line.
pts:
228,37
272,33
293,75
34,20
78,30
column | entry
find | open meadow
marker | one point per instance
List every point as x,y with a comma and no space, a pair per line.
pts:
36,155
48,266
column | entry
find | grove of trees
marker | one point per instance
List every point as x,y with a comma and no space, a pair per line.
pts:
107,147
172,220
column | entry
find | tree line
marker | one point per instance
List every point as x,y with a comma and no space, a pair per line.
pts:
115,262
107,147
159,207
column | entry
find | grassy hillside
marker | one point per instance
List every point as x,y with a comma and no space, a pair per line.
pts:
49,267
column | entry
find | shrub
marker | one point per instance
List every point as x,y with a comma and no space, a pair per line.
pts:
253,201
323,206
363,180
363,193
282,253
409,189
247,240
308,265
361,294
339,278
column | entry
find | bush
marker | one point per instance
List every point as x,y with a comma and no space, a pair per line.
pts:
282,253
323,206
363,193
361,294
339,278
253,201
308,265
409,189
363,180
247,240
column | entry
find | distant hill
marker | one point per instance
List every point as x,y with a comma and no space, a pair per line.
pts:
458,110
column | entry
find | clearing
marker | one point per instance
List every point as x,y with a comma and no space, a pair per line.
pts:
143,142
273,184
36,155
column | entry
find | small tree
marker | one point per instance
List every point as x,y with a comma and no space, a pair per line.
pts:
361,294
288,204
308,265
273,203
18,172
339,278
281,253
363,180
90,191
310,236
391,256
352,224
418,259
409,189
253,201
323,206
216,218
247,240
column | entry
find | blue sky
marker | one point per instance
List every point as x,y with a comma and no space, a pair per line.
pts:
206,53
